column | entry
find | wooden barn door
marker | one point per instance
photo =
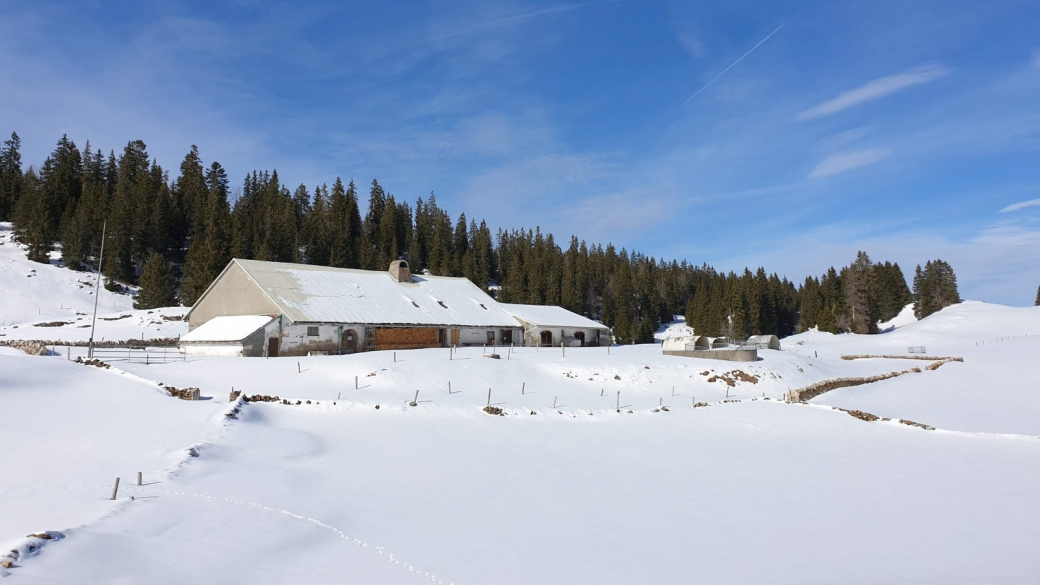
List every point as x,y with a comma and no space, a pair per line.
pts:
455,337
272,347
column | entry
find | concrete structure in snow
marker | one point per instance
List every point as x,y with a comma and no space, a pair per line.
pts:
341,310
551,326
763,342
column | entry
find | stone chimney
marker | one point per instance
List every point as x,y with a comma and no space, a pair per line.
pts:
399,271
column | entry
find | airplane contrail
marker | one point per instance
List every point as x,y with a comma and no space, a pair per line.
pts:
733,64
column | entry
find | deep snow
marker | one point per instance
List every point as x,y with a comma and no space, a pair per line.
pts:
751,491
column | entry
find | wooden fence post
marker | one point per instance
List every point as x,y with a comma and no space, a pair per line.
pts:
115,489
489,397
138,478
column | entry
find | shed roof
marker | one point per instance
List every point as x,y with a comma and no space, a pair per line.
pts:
322,294
550,316
235,328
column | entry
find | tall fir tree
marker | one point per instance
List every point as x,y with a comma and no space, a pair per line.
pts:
209,251
10,176
935,288
31,219
158,286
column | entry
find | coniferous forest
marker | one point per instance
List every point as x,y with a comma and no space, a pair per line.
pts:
172,234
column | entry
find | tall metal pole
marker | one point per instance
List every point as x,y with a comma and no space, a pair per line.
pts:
97,291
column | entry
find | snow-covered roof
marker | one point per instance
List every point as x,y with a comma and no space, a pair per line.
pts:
234,328
549,316
322,294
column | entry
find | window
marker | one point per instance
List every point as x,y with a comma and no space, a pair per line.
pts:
312,331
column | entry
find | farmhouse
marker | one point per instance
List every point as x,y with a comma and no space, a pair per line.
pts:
319,309
550,326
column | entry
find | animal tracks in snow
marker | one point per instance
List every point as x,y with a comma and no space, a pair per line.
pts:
339,533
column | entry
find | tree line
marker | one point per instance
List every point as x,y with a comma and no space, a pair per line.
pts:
173,236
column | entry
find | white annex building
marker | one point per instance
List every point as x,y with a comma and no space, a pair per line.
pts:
548,325
272,309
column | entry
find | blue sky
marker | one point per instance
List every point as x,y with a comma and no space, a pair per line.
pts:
908,129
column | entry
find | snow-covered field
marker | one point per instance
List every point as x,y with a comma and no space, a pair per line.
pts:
561,489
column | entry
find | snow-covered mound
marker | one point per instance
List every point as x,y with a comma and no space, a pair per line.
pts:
49,302
905,317
677,328
988,392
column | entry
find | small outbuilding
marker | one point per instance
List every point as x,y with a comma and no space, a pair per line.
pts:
231,336
764,341
551,326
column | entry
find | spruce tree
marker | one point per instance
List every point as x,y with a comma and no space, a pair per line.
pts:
31,219
386,245
127,212
210,250
10,176
935,288
158,286
317,229
1036,303
189,199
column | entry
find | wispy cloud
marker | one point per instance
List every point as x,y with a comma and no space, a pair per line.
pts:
840,163
691,44
1021,205
875,89
732,65
506,20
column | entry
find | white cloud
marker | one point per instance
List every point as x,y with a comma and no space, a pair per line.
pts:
875,89
1021,205
839,163
691,44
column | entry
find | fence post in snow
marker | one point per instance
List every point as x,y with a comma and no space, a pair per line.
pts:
489,397
115,489
523,388
138,478
355,382
298,370
554,401
618,405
